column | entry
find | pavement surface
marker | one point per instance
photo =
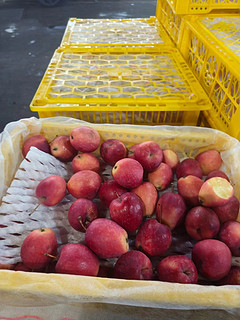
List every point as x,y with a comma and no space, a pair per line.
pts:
29,35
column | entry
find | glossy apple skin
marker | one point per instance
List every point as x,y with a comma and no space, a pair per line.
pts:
188,167
217,173
209,160
51,190
62,149
212,258
153,238
110,190
128,173
81,213
188,188
171,158
84,184
113,150
162,177
171,209
202,223
177,268
149,154
38,141
229,211
36,245
230,235
106,238
85,161
127,210
76,258
133,265
85,139
210,194
148,193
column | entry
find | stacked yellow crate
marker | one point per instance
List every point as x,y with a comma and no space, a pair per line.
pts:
125,71
210,44
211,47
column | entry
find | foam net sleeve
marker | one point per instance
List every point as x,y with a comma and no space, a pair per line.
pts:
16,220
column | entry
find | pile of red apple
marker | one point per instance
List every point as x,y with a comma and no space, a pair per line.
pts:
153,201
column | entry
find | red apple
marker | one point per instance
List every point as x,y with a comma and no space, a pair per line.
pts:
230,235
62,149
84,184
229,211
128,173
131,151
81,213
161,177
212,258
127,210
202,223
232,278
110,190
37,246
171,158
51,190
75,258
85,139
133,265
188,167
217,173
149,154
153,238
105,271
177,268
113,150
215,192
148,194
171,209
85,161
38,141
106,238
21,267
188,188
209,160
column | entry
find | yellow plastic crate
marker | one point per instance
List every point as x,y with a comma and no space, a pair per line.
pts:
170,21
114,31
202,6
211,46
137,85
54,296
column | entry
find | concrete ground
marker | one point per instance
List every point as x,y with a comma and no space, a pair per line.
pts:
29,34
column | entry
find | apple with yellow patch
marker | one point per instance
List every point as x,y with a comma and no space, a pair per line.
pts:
215,192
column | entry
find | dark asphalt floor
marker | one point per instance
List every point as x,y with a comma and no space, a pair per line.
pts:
29,35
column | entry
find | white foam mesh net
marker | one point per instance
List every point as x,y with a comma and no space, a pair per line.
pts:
20,200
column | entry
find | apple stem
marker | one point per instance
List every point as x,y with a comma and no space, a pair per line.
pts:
81,223
116,194
50,256
34,209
